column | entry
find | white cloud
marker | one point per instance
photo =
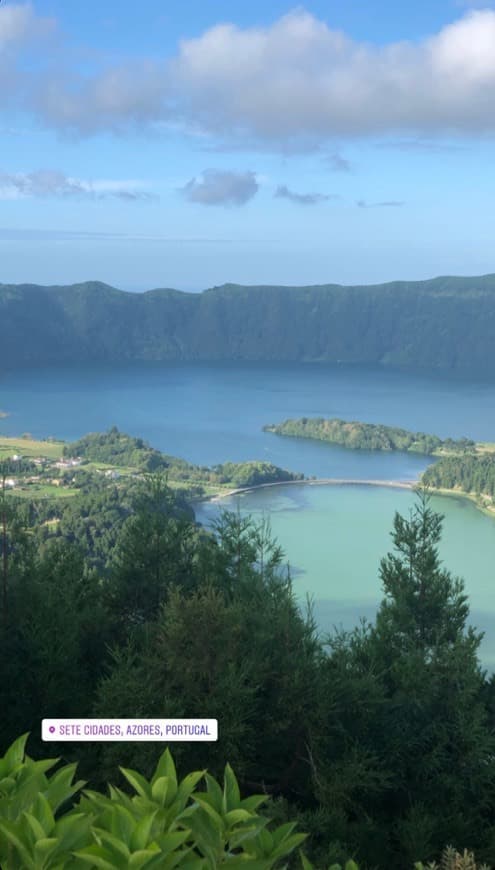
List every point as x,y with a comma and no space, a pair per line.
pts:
300,79
297,82
19,23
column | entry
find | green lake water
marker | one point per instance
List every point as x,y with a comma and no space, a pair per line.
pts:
335,536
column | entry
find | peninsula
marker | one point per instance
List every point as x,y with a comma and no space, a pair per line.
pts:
57,469
370,436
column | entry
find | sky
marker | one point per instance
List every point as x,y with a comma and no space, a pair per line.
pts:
191,144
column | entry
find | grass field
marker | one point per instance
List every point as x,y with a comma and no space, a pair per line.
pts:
29,447
43,490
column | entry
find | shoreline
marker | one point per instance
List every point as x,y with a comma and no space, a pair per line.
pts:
334,481
319,481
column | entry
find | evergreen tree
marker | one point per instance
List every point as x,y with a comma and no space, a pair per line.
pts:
155,550
404,729
235,648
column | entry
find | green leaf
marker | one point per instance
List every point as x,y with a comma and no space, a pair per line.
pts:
234,817
215,793
253,802
43,811
282,832
231,793
44,848
122,824
138,782
288,845
112,844
8,829
143,857
31,825
61,788
166,767
266,841
72,831
172,841
96,856
159,789
142,831
208,839
248,833
212,813
188,784
14,755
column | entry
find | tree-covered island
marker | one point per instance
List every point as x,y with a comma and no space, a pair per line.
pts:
369,436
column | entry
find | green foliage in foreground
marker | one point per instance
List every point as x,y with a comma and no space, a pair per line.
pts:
164,823
368,436
380,741
50,822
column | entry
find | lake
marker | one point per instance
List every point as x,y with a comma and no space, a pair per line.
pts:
335,536
214,412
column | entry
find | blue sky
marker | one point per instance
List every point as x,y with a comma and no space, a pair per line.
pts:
191,144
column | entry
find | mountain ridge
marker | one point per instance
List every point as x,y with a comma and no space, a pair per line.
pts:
445,323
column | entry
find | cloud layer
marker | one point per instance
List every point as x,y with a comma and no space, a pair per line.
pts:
388,203
283,192
52,182
296,81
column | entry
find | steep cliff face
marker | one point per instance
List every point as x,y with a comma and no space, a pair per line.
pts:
444,323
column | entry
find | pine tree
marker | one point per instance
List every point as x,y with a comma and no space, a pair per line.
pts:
404,735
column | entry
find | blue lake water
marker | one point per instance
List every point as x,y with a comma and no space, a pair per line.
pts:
210,413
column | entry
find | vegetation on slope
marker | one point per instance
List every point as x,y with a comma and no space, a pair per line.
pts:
470,474
369,436
442,324
117,449
41,469
355,737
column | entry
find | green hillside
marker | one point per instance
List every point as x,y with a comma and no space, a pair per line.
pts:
443,324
